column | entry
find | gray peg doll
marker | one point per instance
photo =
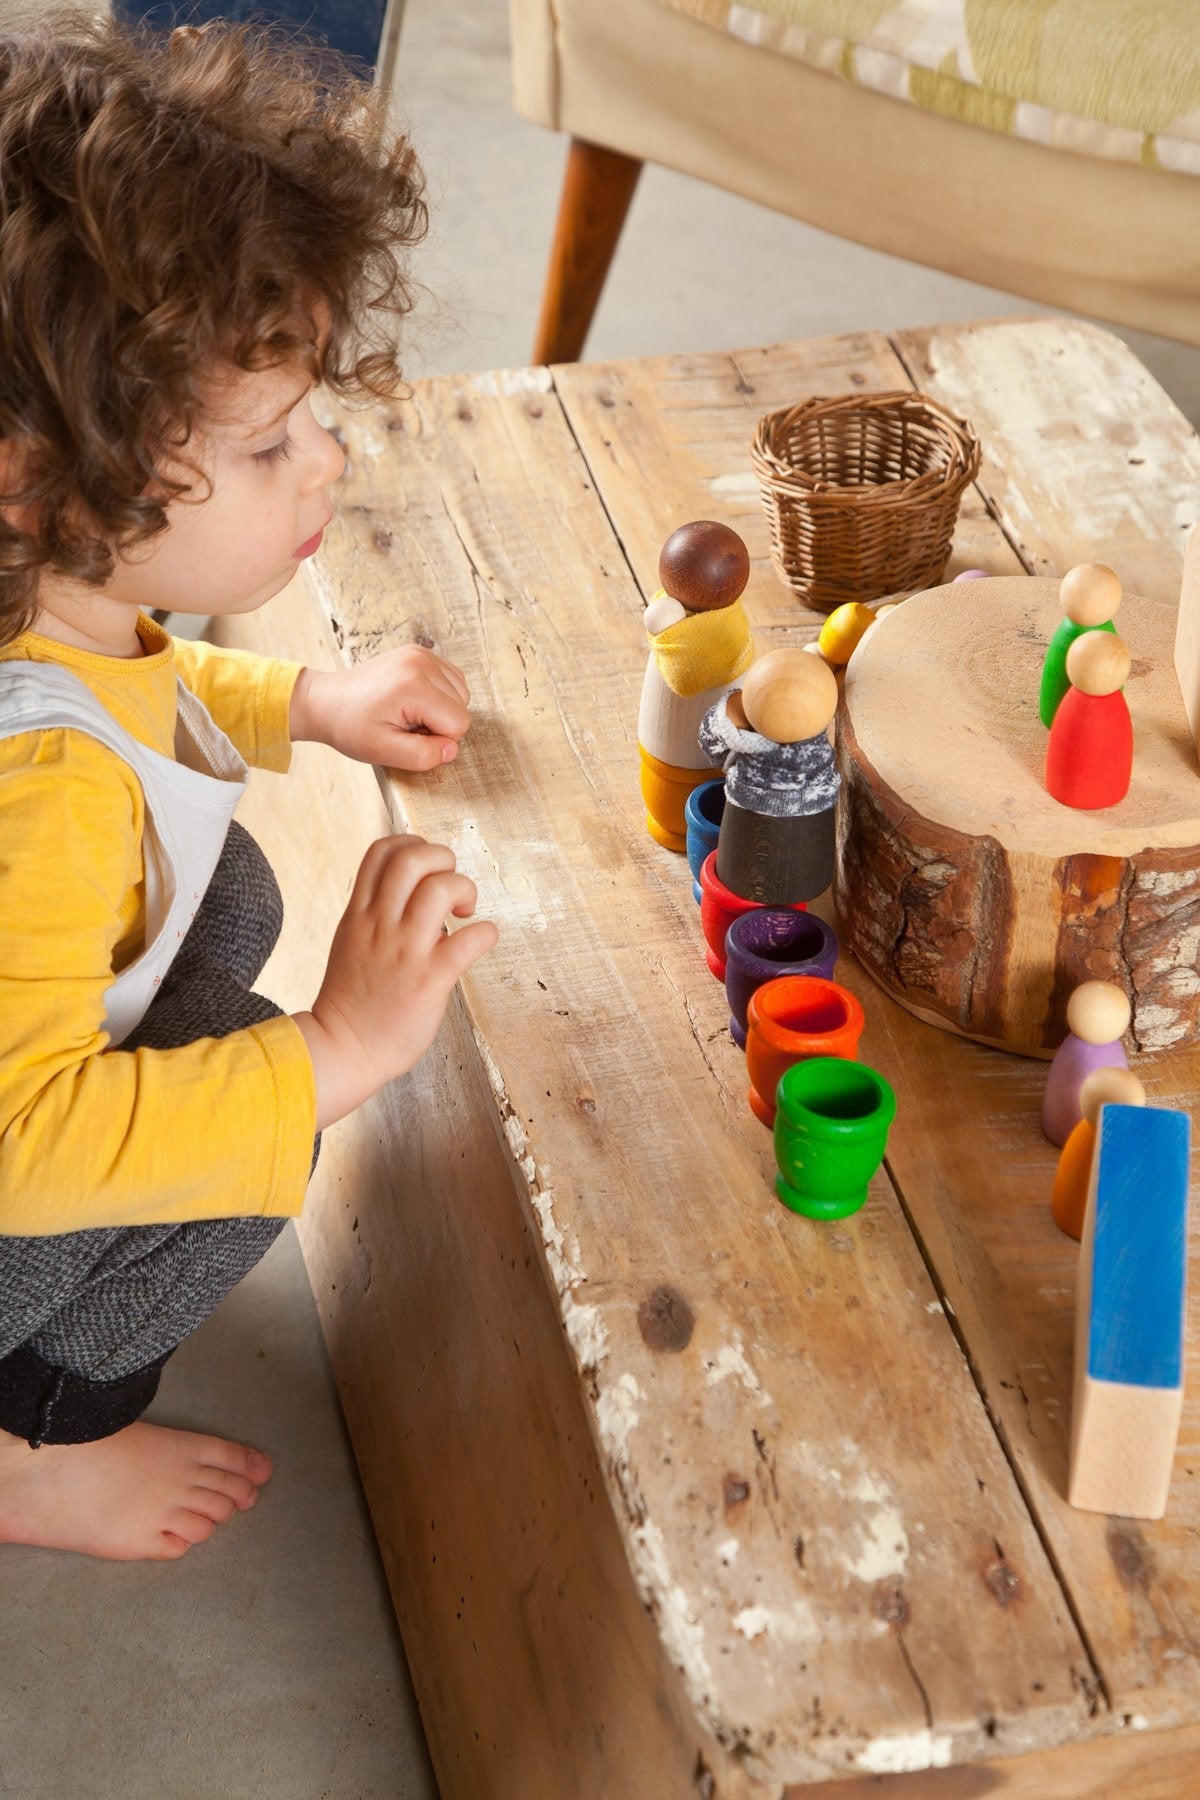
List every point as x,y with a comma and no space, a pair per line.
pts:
777,838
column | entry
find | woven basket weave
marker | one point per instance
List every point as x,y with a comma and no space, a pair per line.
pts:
862,492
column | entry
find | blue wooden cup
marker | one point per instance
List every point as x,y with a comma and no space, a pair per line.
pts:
769,942
702,815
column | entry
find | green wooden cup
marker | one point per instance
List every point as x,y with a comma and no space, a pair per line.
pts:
831,1128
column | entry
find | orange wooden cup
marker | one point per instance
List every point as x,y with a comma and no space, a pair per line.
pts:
791,1019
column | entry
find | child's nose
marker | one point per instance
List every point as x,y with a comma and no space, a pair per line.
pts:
329,459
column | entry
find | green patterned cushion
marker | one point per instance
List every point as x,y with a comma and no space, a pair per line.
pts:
1116,78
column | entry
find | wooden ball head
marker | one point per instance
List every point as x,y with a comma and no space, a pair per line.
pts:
1098,1012
789,696
1109,1087
1098,663
704,565
1068,1198
1090,594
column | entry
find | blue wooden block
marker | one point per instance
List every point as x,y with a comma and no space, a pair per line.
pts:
1130,1301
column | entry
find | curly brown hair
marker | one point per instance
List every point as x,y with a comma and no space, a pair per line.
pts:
169,203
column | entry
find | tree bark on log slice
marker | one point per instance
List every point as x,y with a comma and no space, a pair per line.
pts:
974,898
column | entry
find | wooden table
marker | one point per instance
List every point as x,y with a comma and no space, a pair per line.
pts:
681,1495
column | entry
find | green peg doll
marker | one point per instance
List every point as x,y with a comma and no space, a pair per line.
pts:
1090,594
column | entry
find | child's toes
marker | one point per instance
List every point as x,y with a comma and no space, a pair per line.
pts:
210,1503
240,1489
236,1459
192,1526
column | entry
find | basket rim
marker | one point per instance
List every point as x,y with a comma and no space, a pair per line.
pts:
786,481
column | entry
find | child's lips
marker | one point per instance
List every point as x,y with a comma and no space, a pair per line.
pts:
311,547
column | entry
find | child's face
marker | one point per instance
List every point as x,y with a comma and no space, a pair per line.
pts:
269,464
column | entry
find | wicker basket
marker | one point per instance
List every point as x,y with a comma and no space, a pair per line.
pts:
862,492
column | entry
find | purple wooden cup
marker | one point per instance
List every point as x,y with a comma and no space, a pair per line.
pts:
769,942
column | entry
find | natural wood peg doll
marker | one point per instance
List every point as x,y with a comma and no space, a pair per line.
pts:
700,645
776,844
1090,595
1098,1015
1103,1087
1089,759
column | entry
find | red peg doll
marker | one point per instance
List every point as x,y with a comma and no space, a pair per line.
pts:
1089,759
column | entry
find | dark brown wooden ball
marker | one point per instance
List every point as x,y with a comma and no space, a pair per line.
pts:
704,565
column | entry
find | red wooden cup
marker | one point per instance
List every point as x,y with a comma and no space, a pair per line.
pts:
719,907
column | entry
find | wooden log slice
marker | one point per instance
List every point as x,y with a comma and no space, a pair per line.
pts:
972,897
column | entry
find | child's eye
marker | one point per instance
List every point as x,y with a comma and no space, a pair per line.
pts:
277,453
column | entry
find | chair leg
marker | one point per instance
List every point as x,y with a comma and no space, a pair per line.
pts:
597,188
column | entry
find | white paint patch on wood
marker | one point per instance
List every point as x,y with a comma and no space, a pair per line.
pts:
742,486
680,1630
506,891
616,1417
905,1752
884,1553
731,1359
584,1324
502,383
795,1625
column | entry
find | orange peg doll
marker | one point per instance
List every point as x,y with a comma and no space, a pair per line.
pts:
1102,1087
1089,759
700,645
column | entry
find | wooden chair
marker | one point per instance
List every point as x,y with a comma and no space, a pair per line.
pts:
1104,230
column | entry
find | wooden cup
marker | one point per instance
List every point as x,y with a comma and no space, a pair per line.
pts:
767,944
719,907
702,817
790,1020
830,1135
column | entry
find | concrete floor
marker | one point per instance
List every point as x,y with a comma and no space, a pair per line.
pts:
267,1663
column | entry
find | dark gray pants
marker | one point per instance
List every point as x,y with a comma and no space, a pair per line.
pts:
88,1319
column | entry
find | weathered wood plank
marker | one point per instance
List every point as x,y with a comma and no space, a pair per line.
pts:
668,439
1085,458
1076,434
505,1563
1141,1765
974,1170
818,1591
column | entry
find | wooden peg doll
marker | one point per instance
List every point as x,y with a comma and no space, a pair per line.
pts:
776,843
1103,1087
700,645
1090,594
1098,1015
1089,759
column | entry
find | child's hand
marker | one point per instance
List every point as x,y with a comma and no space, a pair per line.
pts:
391,969
404,709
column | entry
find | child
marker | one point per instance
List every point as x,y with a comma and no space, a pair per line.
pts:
193,230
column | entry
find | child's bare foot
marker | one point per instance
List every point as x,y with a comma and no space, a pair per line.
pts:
146,1493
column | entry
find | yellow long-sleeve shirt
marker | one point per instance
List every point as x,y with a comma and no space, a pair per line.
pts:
91,1136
